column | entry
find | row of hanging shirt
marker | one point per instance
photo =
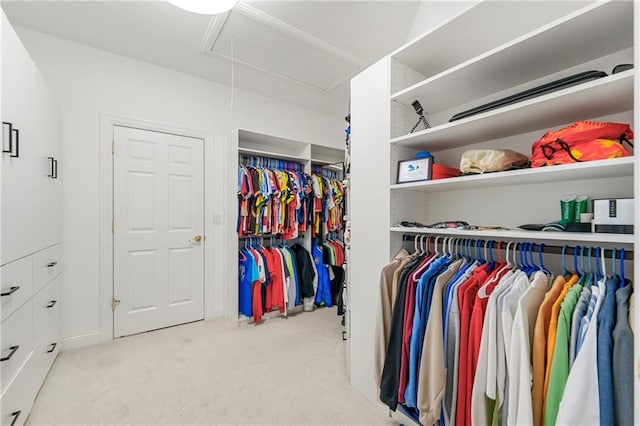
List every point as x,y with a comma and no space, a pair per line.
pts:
279,277
329,205
286,202
331,253
273,201
462,340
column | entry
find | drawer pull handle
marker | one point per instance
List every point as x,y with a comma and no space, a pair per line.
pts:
15,416
14,349
52,304
12,131
53,348
51,264
9,134
51,167
10,291
16,132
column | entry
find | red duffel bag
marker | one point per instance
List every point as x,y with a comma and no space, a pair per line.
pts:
582,141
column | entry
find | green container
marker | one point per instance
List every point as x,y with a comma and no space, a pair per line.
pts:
568,208
581,207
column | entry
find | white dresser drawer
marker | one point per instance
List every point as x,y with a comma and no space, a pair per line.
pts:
46,266
16,343
46,318
16,281
16,402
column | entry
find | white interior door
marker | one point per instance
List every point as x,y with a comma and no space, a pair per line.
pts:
158,192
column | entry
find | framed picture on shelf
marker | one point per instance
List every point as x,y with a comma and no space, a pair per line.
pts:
414,170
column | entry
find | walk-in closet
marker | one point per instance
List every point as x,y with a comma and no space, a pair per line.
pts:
310,212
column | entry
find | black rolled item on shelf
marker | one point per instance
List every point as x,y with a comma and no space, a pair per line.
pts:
543,89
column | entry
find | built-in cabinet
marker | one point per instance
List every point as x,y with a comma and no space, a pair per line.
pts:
506,47
30,258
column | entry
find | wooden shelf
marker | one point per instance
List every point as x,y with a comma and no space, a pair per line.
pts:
618,167
572,40
608,95
586,237
269,154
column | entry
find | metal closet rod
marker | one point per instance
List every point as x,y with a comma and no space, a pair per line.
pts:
301,234
607,253
268,162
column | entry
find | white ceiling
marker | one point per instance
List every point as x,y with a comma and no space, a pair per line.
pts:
303,52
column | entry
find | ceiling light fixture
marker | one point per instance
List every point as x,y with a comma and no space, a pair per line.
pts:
205,7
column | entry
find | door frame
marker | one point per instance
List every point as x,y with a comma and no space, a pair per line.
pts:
105,213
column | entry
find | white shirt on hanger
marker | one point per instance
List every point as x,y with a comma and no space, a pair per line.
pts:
487,356
520,409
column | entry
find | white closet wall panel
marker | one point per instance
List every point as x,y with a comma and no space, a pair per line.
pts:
369,214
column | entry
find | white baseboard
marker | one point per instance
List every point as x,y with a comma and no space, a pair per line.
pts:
218,312
84,340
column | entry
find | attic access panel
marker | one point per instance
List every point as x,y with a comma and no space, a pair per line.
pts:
271,46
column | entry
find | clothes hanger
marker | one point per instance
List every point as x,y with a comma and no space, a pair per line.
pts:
534,267
583,272
435,247
424,261
489,244
621,268
613,263
521,263
598,261
589,278
604,264
564,260
506,255
478,244
575,260
542,267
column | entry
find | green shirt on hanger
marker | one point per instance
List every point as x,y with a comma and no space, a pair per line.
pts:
560,361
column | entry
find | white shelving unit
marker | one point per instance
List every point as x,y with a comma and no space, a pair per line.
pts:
448,72
251,143
608,95
574,39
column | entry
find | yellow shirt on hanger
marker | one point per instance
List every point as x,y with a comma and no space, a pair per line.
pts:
553,327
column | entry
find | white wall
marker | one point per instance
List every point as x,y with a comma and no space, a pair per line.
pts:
431,14
89,83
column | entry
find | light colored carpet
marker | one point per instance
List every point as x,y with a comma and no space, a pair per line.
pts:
281,372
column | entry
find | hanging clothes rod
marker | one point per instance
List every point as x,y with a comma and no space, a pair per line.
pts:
608,253
274,163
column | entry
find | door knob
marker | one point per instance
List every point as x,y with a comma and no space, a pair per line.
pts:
197,238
